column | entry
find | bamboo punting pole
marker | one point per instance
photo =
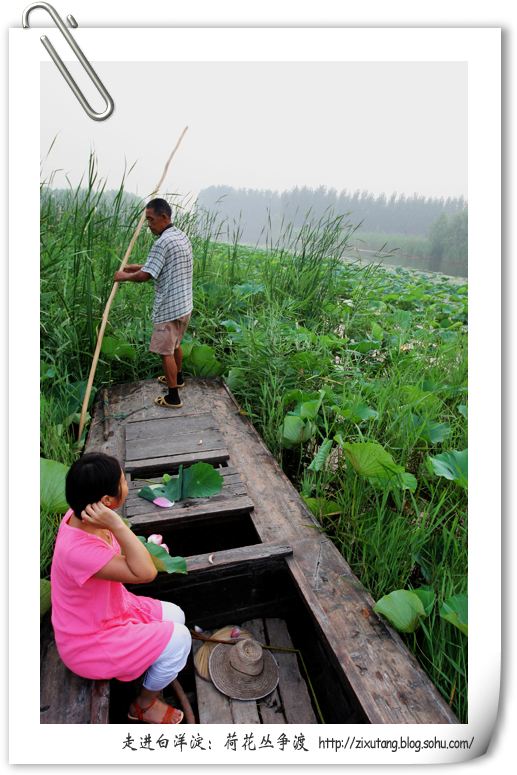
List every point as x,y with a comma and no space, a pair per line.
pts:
104,320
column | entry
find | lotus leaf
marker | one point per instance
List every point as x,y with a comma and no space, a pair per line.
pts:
447,335
368,458
427,596
202,361
321,455
432,432
201,481
231,326
52,486
150,493
322,507
377,332
162,559
236,378
295,430
435,432
118,349
402,608
452,465
172,489
46,371
306,405
308,409
356,412
402,319
247,289
455,610
400,480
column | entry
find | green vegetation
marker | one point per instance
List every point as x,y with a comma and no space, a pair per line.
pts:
355,376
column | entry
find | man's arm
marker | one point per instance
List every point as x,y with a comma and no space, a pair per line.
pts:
133,276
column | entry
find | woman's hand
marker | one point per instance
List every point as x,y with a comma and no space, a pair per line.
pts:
135,565
99,515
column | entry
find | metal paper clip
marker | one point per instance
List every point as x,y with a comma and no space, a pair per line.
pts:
110,105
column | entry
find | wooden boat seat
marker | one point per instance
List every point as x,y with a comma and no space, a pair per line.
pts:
65,698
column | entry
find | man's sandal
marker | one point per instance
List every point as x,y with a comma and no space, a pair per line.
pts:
163,381
171,715
160,401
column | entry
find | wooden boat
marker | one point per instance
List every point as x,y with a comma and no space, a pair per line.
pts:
255,557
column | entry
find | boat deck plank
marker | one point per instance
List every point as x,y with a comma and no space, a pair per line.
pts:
185,511
165,426
151,466
177,444
293,689
212,706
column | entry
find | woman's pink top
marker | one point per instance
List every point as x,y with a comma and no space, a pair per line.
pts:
102,630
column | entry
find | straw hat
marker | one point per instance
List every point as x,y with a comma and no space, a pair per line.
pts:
202,655
244,671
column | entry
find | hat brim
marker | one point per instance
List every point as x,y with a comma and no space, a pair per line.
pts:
236,685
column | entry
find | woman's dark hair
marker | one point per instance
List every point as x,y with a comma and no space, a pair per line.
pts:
160,207
90,478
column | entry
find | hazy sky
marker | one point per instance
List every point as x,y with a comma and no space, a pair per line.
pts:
382,127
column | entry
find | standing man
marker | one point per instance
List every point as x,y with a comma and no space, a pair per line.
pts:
169,264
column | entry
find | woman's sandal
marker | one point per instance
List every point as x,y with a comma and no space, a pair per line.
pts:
160,401
163,381
170,714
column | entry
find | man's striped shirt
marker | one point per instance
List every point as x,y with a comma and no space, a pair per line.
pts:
170,265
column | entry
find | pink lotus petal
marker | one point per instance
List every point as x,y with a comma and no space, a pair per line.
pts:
164,546
165,503
155,538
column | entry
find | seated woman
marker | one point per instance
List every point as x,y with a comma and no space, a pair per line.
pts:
102,630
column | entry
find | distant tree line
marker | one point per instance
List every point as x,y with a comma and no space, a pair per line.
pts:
441,223
397,214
